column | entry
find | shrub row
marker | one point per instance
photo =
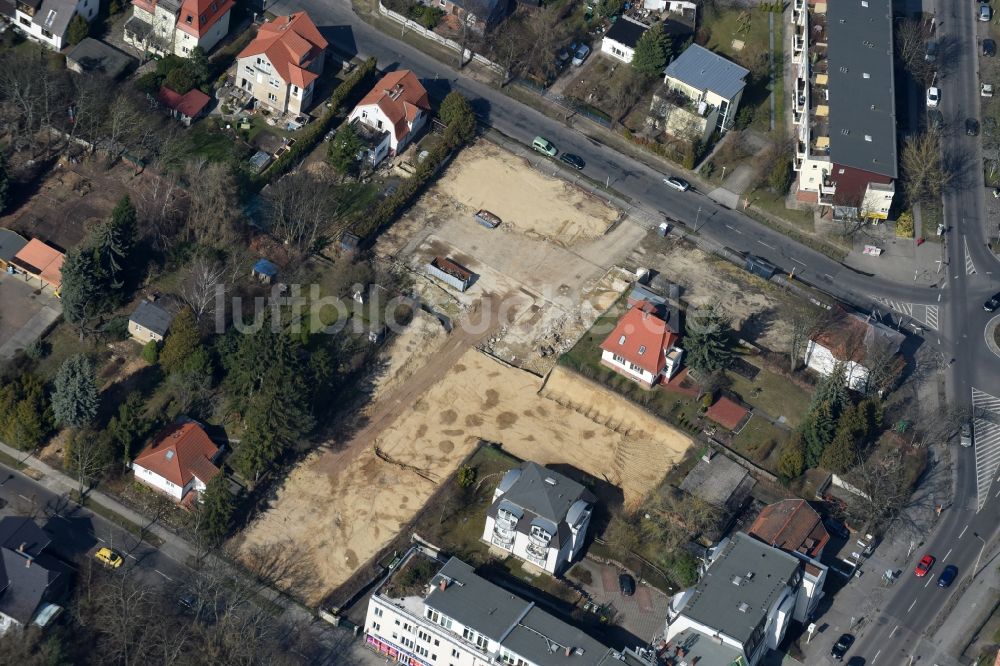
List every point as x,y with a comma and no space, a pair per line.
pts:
314,132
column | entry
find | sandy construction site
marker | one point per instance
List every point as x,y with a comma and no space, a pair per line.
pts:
345,506
552,259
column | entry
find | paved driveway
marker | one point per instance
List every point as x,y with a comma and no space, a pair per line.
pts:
25,312
643,614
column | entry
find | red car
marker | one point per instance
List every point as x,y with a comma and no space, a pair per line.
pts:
925,564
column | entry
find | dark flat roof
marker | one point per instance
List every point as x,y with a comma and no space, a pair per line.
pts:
861,85
626,31
97,57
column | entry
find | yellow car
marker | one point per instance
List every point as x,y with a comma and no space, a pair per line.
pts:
109,558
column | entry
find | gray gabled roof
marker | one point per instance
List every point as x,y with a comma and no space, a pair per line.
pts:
545,493
28,576
152,317
702,69
55,15
474,601
740,586
861,85
517,624
10,244
23,533
97,57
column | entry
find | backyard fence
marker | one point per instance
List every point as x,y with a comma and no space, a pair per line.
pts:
571,104
467,54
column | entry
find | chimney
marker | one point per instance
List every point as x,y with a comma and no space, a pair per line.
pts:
27,562
443,584
20,548
569,651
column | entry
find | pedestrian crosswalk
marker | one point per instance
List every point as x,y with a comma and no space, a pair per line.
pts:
925,315
970,267
986,437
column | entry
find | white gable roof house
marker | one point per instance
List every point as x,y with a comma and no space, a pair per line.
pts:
46,21
709,81
540,516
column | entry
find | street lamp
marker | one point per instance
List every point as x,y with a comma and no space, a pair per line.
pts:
696,218
975,569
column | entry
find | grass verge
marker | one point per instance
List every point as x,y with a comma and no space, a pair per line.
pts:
118,519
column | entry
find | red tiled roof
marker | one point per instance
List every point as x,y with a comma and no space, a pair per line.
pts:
180,452
641,339
290,43
203,13
400,96
189,104
791,525
41,259
727,413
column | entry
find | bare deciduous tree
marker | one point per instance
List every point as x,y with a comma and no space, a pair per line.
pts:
214,214
301,208
202,278
882,479
806,321
911,49
924,172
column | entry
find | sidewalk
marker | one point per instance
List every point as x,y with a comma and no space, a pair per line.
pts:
183,552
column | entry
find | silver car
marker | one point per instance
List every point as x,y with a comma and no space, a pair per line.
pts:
966,434
985,13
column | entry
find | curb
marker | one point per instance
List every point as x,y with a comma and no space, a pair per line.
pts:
990,337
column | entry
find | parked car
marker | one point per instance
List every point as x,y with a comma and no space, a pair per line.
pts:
965,435
543,145
574,161
856,661
924,565
985,13
933,97
992,304
109,558
930,53
986,90
841,647
626,584
581,55
947,576
989,48
678,184
971,126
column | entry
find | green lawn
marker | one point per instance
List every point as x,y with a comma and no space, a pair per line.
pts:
760,442
772,394
775,204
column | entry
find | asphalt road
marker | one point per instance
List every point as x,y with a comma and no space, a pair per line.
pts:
913,602
77,532
972,275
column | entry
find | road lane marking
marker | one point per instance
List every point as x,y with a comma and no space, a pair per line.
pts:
132,556
734,229
893,633
945,558
875,658
963,531
164,575
912,604
797,261
100,539
26,499
765,244
929,578
828,275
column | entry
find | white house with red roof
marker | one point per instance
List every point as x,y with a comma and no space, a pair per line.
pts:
281,65
643,348
181,459
399,105
177,26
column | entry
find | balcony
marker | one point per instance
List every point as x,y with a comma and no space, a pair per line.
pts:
505,542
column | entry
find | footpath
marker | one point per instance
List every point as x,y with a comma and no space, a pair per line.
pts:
183,552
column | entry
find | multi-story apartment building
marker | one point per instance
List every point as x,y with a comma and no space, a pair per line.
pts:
177,26
429,613
843,106
281,65
743,604
540,516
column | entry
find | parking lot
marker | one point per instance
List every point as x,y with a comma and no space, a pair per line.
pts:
643,614
25,313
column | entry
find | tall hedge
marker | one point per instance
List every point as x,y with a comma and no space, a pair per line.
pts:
315,132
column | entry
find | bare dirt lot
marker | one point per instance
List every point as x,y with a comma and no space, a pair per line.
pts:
708,280
487,176
551,256
87,189
347,508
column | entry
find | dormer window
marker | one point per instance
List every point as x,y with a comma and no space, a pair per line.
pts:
202,19
642,349
215,6
189,19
